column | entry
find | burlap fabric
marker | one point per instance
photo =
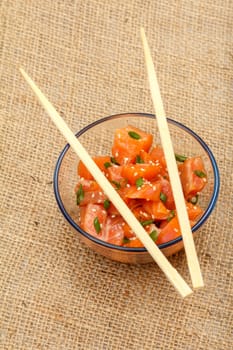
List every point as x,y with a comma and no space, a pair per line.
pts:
87,57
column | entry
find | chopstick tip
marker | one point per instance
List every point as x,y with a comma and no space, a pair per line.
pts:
22,71
198,284
188,294
142,31
25,75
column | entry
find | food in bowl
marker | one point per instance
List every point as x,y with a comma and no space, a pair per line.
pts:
97,138
137,170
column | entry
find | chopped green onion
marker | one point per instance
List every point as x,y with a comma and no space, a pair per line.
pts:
106,204
147,222
134,135
171,216
139,160
163,197
194,199
199,173
114,161
154,235
139,182
97,224
180,158
117,184
107,165
125,240
79,194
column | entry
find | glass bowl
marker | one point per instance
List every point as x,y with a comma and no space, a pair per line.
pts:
97,138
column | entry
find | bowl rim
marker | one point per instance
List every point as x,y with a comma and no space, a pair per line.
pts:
199,223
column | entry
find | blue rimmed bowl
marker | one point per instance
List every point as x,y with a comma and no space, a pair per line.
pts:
97,138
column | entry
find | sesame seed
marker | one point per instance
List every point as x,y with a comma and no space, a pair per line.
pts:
128,185
154,187
92,195
113,216
176,230
142,169
93,209
135,173
195,208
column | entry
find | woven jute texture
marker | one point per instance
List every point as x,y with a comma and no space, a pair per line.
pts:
87,57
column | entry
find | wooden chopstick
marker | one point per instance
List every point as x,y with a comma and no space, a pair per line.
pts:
171,273
192,259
